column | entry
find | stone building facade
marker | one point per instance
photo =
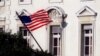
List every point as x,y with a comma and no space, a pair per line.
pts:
75,30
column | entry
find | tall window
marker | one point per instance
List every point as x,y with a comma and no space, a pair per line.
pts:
55,30
86,40
55,40
23,31
87,18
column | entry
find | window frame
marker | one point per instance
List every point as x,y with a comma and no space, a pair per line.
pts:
22,32
82,51
51,41
57,21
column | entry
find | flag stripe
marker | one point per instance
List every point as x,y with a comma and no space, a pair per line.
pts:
37,23
40,14
41,17
32,16
37,20
38,26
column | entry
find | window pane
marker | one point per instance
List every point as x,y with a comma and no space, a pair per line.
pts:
21,28
55,51
87,50
86,40
87,31
55,33
55,41
56,29
25,32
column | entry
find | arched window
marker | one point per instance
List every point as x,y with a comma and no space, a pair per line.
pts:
55,30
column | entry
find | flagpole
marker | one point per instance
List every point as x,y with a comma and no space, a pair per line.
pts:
30,33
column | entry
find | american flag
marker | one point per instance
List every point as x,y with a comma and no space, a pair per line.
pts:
36,20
